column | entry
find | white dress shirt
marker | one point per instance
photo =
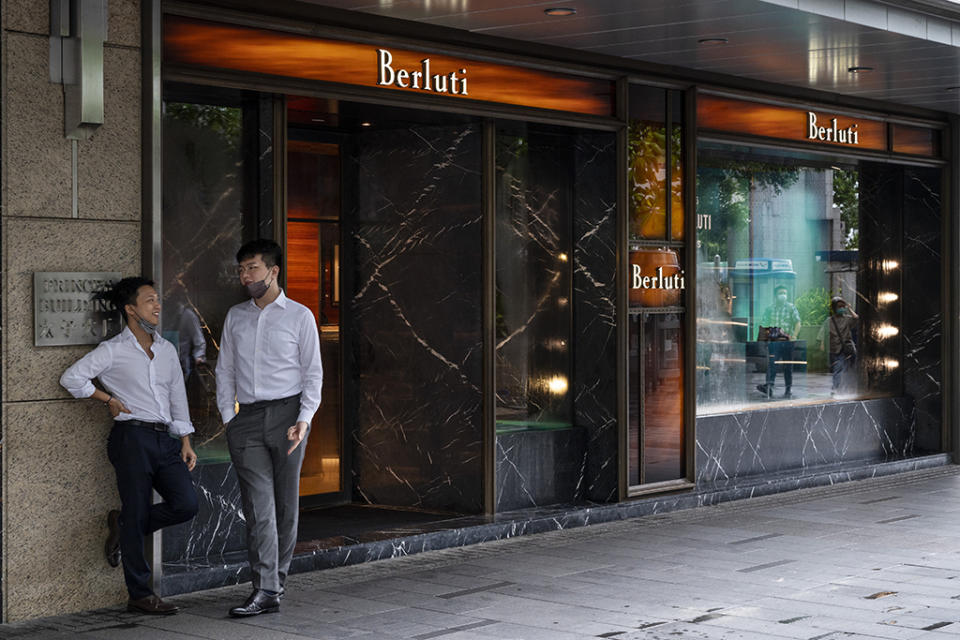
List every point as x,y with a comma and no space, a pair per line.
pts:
268,354
152,389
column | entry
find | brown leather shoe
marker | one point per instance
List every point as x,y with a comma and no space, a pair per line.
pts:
152,605
111,547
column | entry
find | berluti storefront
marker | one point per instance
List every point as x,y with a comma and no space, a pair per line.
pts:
540,287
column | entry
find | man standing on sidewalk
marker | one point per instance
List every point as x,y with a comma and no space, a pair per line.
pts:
149,445
269,364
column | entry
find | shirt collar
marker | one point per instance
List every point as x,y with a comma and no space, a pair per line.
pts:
127,334
281,302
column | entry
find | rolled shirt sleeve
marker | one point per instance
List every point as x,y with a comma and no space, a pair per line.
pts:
179,407
226,375
78,378
311,369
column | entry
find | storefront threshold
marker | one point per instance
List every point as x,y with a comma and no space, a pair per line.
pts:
231,569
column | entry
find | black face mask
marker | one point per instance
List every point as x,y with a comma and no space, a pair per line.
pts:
258,289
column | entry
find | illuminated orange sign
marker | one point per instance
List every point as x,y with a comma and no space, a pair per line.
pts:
199,43
785,123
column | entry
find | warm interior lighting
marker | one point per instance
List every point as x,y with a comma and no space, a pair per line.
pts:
364,124
889,265
890,363
560,11
557,385
885,331
562,257
886,297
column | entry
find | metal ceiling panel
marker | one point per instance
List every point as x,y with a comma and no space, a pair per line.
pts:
766,41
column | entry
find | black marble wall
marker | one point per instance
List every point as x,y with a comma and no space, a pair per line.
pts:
219,527
414,219
594,311
922,311
736,445
540,467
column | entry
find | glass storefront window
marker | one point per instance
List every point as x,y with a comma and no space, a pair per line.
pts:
209,210
655,282
791,308
534,277
655,159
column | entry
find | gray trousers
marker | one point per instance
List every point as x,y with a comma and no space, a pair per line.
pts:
269,486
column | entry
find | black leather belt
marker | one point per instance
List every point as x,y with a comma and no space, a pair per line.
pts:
156,426
260,404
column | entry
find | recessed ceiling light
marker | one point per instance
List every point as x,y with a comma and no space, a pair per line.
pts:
560,11
712,41
860,69
364,124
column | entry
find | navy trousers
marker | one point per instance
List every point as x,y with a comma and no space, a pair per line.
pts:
144,460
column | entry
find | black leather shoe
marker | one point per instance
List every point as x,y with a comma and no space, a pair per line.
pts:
258,602
153,606
112,546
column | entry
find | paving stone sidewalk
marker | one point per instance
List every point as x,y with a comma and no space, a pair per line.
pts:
877,558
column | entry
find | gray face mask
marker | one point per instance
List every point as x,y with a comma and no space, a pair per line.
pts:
782,297
149,327
258,289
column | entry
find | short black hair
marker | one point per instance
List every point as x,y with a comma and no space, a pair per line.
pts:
270,251
123,292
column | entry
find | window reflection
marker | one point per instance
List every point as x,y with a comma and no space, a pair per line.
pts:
790,307
534,279
206,216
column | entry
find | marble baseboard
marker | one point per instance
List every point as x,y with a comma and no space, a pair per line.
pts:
540,467
232,568
792,439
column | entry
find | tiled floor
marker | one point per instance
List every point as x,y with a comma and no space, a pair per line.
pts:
871,559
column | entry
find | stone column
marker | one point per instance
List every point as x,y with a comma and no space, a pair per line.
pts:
57,481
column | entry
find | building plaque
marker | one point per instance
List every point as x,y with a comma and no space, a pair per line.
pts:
65,312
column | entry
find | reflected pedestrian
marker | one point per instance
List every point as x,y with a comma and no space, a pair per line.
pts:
841,346
784,317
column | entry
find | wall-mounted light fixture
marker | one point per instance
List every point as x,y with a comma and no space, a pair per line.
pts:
78,29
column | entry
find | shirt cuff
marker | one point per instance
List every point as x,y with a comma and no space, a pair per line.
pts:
227,414
85,391
180,428
306,416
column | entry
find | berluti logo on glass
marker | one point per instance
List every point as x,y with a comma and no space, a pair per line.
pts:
656,279
785,123
192,43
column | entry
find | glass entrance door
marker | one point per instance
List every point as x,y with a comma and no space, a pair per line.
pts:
313,279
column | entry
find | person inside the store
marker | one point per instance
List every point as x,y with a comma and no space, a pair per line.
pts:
269,364
149,445
782,320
